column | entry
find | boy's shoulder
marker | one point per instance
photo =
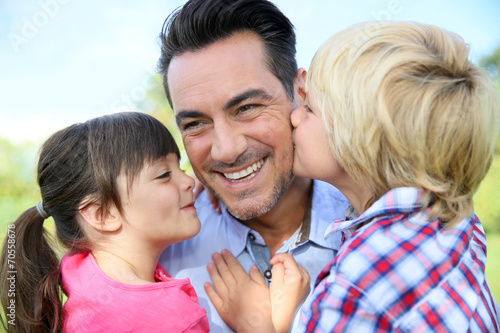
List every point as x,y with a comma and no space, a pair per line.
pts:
402,255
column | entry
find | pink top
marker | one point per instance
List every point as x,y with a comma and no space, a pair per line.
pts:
97,303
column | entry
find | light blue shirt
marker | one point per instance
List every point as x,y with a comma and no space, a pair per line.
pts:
189,259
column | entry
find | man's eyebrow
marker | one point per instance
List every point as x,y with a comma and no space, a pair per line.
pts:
249,94
186,114
246,95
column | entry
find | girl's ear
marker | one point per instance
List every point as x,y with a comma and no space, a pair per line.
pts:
101,220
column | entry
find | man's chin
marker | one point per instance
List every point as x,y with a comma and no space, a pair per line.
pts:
253,203
254,206
248,211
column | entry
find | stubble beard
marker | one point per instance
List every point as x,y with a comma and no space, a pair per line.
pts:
259,208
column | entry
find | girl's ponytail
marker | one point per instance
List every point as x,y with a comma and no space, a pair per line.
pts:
30,277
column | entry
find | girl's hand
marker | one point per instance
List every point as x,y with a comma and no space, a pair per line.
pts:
242,300
290,286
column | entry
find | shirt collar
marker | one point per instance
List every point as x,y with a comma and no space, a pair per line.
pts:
237,243
328,204
325,199
396,201
323,205
302,234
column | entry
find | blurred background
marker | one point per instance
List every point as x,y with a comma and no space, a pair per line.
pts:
65,61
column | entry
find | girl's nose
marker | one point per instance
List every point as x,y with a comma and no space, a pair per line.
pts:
187,182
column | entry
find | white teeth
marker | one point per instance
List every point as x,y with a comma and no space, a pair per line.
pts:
246,173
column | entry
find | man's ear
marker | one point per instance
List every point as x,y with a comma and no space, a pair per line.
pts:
98,219
300,81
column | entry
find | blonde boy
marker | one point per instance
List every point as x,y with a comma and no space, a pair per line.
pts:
410,124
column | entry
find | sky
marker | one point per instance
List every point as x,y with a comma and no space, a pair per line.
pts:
65,61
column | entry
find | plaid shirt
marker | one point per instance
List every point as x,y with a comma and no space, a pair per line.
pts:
398,272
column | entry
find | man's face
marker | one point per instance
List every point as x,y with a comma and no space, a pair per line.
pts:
234,116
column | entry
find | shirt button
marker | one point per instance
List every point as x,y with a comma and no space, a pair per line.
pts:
268,274
252,237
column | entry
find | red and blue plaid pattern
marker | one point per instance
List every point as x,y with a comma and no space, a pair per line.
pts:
400,272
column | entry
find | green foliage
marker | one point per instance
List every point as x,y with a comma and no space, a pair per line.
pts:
157,105
492,63
487,198
493,264
18,188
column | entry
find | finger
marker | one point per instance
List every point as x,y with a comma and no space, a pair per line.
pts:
306,282
278,274
282,257
289,264
223,269
256,275
213,296
218,283
277,288
232,263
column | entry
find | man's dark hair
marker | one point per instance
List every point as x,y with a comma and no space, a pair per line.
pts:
200,23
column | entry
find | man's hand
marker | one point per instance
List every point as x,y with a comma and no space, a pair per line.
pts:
241,300
289,287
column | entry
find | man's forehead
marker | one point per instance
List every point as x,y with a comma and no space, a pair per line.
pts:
216,75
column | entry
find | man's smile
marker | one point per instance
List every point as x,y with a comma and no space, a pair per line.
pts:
244,174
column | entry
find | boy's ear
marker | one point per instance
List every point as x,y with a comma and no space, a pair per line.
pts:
301,85
94,215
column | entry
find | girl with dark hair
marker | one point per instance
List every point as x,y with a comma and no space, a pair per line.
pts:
118,198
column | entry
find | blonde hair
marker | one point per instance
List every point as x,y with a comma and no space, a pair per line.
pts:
404,106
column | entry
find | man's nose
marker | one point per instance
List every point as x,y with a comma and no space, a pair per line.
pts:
228,142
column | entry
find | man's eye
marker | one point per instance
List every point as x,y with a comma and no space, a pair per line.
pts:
248,108
190,125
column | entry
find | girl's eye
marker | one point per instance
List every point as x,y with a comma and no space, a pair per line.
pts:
308,109
165,175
